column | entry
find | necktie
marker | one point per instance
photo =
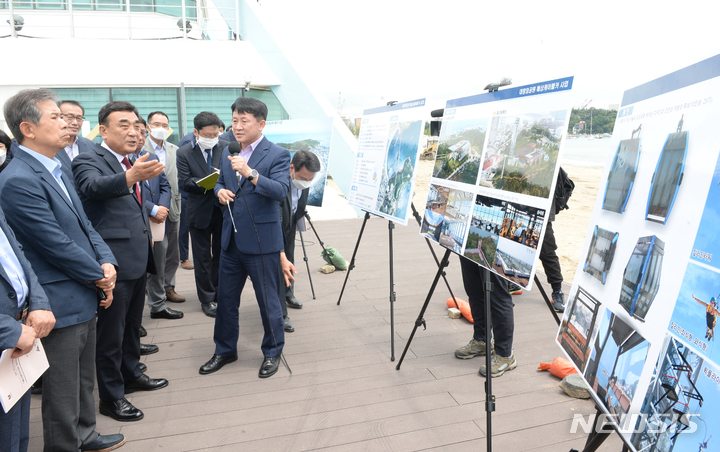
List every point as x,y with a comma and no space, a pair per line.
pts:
127,165
209,158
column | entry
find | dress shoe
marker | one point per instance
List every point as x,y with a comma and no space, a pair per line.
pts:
148,349
173,296
269,367
187,265
167,313
289,328
143,367
209,308
121,410
216,363
104,443
293,302
145,383
143,331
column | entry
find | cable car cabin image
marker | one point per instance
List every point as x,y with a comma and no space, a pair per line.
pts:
601,253
641,279
621,177
668,176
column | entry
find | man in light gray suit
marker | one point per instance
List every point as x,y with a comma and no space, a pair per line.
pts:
161,287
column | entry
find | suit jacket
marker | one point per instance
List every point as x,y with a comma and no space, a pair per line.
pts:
189,138
262,201
172,176
288,219
114,211
228,136
84,145
62,246
192,167
160,191
10,328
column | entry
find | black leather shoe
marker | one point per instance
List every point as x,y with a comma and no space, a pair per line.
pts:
143,367
167,313
105,443
143,331
148,349
209,308
269,367
216,363
121,410
293,302
289,328
145,383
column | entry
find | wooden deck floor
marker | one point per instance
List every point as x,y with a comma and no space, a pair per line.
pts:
344,393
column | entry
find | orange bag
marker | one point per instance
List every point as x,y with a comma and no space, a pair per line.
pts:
560,367
463,305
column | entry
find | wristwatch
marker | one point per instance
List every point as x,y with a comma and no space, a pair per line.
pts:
253,175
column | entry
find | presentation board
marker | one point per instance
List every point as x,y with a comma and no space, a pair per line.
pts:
494,175
385,166
639,314
314,135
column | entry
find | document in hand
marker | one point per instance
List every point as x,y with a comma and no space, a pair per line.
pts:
17,375
208,182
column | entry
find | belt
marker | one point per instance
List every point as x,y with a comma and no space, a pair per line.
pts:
22,315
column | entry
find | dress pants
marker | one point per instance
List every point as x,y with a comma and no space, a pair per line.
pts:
118,339
68,406
501,306
184,229
172,257
15,426
234,270
156,297
549,258
206,247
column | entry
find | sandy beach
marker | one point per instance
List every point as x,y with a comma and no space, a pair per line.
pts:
570,226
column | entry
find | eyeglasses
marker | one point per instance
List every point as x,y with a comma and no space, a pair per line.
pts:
71,118
157,124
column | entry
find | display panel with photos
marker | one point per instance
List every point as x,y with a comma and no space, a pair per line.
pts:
496,167
653,352
601,253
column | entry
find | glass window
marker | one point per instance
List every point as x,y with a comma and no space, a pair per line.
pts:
110,5
50,4
82,5
145,6
24,4
148,100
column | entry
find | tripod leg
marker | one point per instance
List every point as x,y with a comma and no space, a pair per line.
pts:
312,226
307,264
547,300
391,226
420,320
489,397
432,251
352,260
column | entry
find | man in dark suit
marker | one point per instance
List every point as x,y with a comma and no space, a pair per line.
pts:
20,296
74,115
254,182
303,168
112,190
196,161
71,262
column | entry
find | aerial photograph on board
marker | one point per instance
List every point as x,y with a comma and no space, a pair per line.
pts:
460,150
396,182
522,152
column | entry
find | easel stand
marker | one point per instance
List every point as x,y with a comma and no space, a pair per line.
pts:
307,264
391,227
598,435
420,321
547,299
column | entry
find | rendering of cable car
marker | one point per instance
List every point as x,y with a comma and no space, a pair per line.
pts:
621,177
641,279
668,176
601,253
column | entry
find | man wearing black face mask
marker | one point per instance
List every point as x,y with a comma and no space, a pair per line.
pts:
303,167
195,161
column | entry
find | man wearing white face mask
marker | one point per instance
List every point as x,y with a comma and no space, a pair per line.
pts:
158,124
195,161
303,167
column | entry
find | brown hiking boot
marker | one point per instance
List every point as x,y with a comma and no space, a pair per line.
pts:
173,296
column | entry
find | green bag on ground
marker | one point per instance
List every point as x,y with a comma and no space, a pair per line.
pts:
333,257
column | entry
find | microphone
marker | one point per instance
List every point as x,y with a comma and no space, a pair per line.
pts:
235,149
